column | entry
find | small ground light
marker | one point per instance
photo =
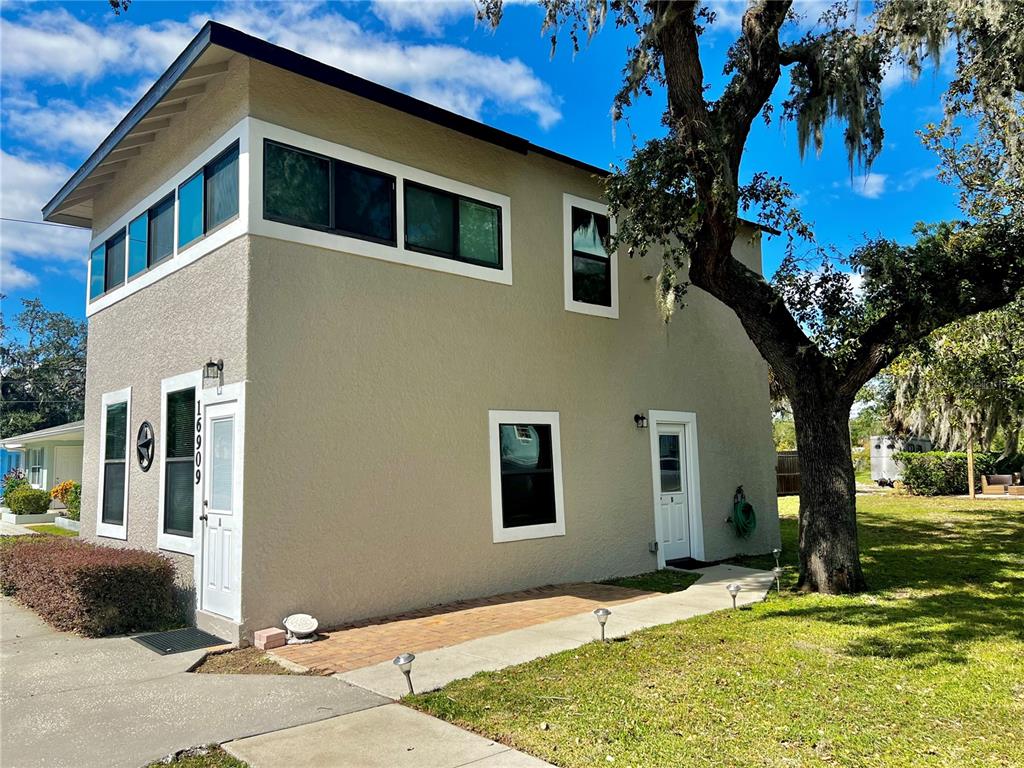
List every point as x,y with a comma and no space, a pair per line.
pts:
777,570
776,552
734,589
602,617
404,662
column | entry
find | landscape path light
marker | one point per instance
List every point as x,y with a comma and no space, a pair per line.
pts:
777,570
404,662
776,552
602,618
734,589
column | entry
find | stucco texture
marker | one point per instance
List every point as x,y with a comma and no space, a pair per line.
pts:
367,458
171,327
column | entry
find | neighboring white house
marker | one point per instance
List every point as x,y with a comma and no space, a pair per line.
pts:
49,456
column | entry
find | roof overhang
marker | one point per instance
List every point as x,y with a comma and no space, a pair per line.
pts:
206,57
74,430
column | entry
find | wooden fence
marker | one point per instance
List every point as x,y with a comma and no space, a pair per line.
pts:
787,473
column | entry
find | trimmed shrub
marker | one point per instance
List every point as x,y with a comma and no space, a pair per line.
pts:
68,493
81,587
14,480
938,473
28,501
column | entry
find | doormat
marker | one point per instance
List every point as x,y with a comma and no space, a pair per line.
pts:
178,640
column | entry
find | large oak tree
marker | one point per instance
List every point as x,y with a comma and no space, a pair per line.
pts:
682,195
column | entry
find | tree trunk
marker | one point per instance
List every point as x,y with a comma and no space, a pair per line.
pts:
829,553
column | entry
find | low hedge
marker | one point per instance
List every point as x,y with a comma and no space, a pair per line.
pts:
941,473
28,501
95,590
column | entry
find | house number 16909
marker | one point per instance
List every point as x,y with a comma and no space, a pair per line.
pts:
199,443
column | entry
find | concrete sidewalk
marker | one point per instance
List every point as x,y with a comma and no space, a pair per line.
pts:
106,703
391,736
436,668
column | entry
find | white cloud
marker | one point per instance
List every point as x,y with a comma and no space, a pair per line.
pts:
430,16
870,185
447,75
61,124
915,176
27,185
13,277
54,46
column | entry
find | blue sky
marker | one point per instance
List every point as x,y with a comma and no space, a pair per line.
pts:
70,71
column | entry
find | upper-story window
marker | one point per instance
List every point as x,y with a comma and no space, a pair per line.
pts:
151,237
318,192
107,268
209,198
450,225
591,274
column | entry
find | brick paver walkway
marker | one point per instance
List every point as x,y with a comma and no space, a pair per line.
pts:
369,642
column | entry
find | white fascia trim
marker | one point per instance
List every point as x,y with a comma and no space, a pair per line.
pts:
394,253
571,305
169,541
182,257
111,398
689,420
557,528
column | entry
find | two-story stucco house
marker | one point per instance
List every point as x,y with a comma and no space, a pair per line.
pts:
350,354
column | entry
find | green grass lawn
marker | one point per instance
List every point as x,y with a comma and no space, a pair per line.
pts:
656,581
53,530
202,757
926,669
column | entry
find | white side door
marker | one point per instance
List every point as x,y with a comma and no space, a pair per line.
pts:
221,516
673,508
67,463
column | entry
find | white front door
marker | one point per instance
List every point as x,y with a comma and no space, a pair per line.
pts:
672,502
67,463
221,515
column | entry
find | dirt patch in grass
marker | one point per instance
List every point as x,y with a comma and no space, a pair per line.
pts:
656,581
210,756
247,661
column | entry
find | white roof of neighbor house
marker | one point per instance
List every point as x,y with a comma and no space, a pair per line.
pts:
69,431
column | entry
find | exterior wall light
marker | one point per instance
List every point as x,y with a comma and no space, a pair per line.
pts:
404,662
640,420
734,589
602,615
776,552
777,570
214,371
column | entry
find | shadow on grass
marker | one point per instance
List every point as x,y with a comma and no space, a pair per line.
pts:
939,581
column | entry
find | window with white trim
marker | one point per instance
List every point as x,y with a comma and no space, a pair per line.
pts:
34,460
179,414
591,268
526,475
112,507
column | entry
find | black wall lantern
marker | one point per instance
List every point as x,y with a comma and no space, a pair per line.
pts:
145,442
214,371
640,420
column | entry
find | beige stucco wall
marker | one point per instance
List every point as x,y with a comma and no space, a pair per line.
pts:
171,327
367,458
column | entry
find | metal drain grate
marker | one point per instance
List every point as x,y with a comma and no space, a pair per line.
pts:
178,640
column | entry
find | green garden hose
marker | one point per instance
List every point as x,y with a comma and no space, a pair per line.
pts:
743,518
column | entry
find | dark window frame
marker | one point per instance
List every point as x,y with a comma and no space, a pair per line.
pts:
456,239
574,254
148,213
108,462
122,233
169,460
233,147
332,203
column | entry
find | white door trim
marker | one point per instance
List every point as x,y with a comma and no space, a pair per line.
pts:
688,420
214,396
